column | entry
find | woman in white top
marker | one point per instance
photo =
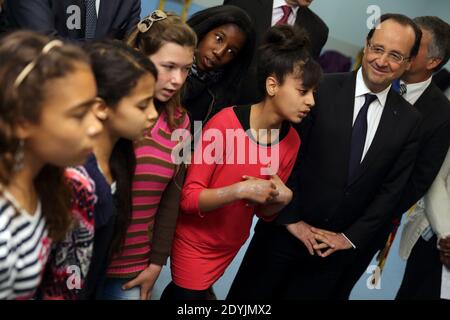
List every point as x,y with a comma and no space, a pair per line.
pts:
425,241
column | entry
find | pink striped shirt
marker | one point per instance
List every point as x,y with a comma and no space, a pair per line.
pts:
154,170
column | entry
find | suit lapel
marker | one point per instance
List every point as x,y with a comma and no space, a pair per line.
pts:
265,7
106,15
384,133
300,16
343,119
345,102
424,103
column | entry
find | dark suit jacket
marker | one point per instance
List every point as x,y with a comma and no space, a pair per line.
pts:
322,195
115,19
434,107
260,11
3,23
434,141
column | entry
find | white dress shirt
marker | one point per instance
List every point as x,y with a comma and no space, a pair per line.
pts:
374,112
277,12
97,6
373,115
415,90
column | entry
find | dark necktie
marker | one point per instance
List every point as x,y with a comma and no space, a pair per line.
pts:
399,87
286,13
402,90
91,19
396,85
359,132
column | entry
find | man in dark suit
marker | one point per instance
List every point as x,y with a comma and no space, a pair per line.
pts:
266,13
428,99
2,18
357,152
81,20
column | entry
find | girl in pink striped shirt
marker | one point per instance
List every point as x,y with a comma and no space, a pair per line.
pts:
136,264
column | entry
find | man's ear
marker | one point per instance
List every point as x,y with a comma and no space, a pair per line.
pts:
408,63
272,86
433,63
100,110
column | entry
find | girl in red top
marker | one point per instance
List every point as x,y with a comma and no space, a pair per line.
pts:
239,167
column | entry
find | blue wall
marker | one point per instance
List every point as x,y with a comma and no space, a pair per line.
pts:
347,18
175,6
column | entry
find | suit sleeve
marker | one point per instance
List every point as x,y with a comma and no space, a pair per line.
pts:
429,160
135,16
34,15
322,42
437,201
323,39
381,208
291,213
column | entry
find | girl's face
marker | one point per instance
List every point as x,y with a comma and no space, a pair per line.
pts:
65,134
292,101
135,113
173,63
220,46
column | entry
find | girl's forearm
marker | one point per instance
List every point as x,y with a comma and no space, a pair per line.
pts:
211,199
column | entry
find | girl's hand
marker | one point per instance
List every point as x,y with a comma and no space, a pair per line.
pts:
285,194
257,191
146,280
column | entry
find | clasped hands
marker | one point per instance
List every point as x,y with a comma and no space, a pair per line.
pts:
259,191
319,241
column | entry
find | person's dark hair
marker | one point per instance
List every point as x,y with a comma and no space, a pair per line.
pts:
168,30
439,46
204,21
25,102
117,69
285,50
404,21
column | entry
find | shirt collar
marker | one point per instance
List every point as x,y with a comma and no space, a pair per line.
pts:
361,89
418,87
279,3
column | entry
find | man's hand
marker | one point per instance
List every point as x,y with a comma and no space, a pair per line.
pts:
445,259
444,245
337,241
304,232
444,251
